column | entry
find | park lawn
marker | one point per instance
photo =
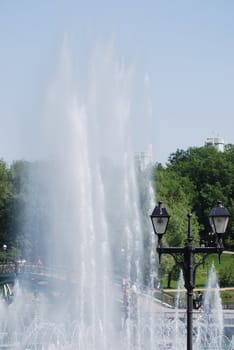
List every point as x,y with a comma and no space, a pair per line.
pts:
226,261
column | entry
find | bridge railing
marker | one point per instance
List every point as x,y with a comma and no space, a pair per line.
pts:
25,268
52,272
8,268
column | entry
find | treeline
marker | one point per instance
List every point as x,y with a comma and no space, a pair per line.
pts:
11,202
192,181
22,204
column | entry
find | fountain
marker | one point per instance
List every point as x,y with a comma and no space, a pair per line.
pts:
93,229
90,210
210,323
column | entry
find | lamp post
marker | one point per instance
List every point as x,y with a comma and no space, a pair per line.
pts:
185,256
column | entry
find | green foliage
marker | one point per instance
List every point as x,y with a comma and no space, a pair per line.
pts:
177,192
23,199
5,202
226,276
227,298
194,180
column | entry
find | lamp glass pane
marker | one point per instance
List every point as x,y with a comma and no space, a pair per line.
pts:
212,224
220,223
160,224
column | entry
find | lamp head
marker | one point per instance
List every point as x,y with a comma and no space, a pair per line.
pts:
219,218
160,219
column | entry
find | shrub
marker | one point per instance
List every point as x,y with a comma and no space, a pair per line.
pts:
226,277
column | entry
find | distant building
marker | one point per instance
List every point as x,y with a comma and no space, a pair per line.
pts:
144,159
218,142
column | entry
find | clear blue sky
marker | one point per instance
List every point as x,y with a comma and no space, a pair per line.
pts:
186,48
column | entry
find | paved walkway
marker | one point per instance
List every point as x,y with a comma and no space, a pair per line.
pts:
197,289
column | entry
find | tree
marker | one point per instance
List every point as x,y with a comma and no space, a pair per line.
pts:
211,174
192,181
5,201
177,193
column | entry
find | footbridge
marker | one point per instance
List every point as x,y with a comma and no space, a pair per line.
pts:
34,277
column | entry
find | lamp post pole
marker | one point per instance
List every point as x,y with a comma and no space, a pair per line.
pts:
189,283
185,256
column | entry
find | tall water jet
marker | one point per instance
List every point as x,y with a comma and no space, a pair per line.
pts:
180,294
88,220
179,332
210,325
83,199
84,216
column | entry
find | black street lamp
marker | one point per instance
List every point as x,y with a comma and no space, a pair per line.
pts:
219,217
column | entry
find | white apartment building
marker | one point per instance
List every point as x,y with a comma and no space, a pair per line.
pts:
218,142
